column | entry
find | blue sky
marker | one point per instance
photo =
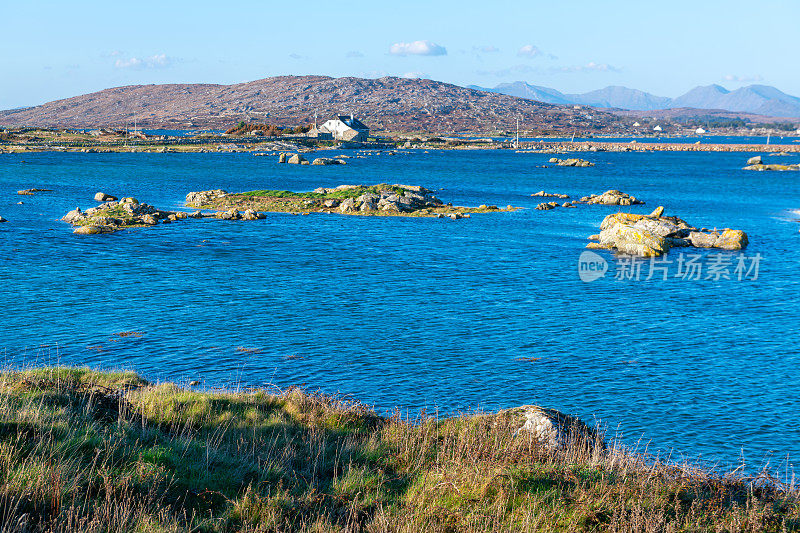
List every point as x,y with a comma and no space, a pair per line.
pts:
59,49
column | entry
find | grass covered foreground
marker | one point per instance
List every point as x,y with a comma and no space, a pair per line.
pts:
88,451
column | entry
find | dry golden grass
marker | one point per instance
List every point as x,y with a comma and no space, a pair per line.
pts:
89,451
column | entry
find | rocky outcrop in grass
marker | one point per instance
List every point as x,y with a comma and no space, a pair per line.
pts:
653,235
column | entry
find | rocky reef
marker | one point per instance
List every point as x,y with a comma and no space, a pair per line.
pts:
382,199
571,162
611,197
112,216
757,163
551,195
654,234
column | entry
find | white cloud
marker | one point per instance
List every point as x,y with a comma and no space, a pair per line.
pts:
154,61
731,77
414,75
591,66
529,51
418,48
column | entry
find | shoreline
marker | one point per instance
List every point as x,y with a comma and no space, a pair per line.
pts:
115,452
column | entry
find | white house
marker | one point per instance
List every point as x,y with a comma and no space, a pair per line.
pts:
636,124
346,128
657,128
699,130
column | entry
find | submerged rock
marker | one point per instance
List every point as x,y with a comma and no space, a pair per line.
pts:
3,220
773,167
551,194
93,229
324,161
29,192
571,162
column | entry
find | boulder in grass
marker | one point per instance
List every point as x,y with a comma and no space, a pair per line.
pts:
551,428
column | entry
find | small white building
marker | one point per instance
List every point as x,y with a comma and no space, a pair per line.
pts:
699,131
636,124
656,128
346,128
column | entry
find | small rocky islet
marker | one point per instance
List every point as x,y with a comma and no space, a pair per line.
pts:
373,200
113,215
610,197
757,163
654,234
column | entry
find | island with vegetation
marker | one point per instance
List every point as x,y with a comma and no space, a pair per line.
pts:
372,200
108,451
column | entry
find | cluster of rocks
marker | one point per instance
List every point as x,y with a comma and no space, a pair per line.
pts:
552,205
388,200
235,214
756,163
551,195
654,234
571,162
30,192
115,215
611,197
199,198
298,159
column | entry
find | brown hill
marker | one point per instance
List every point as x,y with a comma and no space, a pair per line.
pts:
389,104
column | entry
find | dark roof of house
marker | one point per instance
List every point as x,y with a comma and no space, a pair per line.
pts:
353,122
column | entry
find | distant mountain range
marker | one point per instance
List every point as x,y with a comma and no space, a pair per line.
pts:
754,99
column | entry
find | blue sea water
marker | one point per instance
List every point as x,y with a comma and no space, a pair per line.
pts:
481,313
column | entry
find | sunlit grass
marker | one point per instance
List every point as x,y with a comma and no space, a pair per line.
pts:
93,451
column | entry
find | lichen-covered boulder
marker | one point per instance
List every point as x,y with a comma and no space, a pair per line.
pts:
551,428
634,241
754,160
296,159
199,198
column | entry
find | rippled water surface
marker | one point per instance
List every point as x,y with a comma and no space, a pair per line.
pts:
484,313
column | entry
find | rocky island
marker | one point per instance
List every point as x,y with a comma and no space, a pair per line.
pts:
375,200
654,234
114,215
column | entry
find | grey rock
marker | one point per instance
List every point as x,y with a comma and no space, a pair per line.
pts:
103,197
